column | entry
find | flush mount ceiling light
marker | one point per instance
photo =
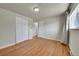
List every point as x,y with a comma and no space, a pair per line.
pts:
36,23
36,9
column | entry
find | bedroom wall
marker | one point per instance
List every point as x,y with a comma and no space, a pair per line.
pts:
74,41
7,28
13,28
52,28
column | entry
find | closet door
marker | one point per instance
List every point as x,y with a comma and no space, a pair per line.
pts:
21,29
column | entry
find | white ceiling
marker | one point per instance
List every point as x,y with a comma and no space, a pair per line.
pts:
46,9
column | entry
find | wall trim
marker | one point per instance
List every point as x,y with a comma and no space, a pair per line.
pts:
71,53
8,45
5,46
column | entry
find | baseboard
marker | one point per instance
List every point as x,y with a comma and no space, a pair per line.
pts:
71,53
20,41
5,46
50,38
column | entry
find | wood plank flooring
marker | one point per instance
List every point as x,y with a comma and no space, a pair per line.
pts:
36,47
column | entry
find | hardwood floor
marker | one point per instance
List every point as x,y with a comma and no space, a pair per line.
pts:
36,47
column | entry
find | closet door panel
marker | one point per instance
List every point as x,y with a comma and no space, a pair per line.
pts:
21,29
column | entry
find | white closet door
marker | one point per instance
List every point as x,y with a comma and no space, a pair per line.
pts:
21,29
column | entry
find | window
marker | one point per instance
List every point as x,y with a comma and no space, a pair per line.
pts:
74,19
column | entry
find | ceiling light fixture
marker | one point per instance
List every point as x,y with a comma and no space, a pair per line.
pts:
36,23
36,9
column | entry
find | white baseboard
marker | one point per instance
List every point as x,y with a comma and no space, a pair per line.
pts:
71,53
7,45
20,41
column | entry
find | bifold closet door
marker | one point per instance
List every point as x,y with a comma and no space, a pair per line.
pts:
21,29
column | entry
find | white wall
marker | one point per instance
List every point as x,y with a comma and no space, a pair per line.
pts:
7,28
52,28
13,28
74,41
